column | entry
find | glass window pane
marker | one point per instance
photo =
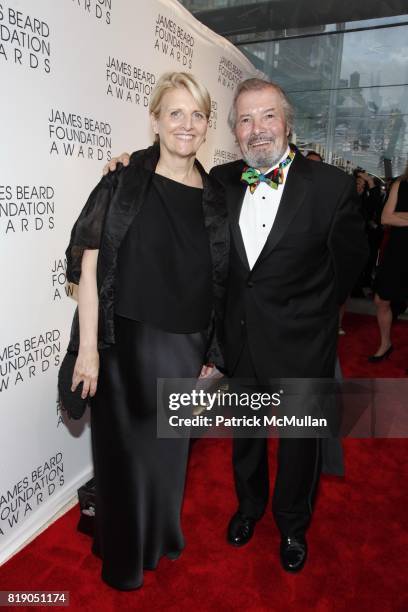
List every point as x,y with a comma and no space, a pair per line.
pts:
350,92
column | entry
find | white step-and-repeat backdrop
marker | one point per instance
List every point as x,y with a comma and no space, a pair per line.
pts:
76,77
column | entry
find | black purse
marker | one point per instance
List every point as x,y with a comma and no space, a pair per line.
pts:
71,401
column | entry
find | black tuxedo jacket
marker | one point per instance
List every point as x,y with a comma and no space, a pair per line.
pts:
287,306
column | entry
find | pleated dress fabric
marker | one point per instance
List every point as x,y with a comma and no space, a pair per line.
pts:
140,477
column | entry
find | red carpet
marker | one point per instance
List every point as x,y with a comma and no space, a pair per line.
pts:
362,339
358,540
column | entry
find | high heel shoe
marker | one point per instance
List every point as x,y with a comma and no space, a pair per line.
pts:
375,358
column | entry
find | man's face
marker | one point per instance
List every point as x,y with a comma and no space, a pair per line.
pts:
261,128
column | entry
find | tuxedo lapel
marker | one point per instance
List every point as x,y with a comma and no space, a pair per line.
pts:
294,193
235,192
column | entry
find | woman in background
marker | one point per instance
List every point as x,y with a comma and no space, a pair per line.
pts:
391,283
150,253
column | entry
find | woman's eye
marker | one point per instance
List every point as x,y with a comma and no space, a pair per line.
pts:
199,116
175,114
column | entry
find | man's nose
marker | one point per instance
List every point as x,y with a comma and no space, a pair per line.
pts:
256,126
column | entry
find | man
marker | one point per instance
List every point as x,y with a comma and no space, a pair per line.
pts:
297,248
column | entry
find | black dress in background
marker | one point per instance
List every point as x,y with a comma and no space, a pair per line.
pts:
391,282
163,301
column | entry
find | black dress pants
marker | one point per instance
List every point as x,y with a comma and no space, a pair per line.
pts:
297,475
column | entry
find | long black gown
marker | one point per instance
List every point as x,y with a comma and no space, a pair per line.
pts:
391,281
162,305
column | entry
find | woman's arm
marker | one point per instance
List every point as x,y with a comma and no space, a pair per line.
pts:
389,216
87,363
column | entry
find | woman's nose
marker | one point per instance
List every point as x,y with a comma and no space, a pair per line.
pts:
187,122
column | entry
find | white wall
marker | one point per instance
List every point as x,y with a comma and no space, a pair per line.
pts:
60,64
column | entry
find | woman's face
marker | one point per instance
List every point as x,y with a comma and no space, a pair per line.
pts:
181,124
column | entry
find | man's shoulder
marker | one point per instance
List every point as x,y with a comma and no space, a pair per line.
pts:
326,173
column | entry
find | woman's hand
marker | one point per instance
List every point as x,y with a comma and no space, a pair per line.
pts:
86,370
210,371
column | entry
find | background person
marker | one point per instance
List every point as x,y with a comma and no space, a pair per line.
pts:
371,200
150,253
314,156
391,282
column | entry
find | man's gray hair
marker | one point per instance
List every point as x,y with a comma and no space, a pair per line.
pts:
257,85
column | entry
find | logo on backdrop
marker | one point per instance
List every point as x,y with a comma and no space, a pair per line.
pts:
26,208
172,40
24,39
26,495
74,135
60,287
222,157
101,10
25,359
128,83
212,123
229,75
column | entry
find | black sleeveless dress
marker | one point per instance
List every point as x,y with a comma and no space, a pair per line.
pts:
391,281
163,301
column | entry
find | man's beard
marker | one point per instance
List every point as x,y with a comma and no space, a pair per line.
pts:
264,159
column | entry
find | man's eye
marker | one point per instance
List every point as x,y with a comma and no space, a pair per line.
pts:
245,120
270,116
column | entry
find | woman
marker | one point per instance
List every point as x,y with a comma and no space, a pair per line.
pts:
150,253
391,283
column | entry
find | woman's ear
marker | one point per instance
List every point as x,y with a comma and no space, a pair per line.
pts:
154,123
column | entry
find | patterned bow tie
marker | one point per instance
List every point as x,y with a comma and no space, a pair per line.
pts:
274,178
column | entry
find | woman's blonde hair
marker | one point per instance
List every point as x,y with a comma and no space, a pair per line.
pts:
170,80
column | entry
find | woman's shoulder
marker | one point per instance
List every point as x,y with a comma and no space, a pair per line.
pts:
147,158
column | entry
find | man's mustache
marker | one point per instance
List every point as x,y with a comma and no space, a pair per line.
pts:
256,139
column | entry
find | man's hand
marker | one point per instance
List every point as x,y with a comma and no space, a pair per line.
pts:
111,166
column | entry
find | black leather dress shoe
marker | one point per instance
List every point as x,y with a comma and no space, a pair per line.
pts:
375,358
240,529
293,553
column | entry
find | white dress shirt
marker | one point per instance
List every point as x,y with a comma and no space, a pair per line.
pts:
258,213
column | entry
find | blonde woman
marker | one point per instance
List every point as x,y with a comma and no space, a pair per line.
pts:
150,254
